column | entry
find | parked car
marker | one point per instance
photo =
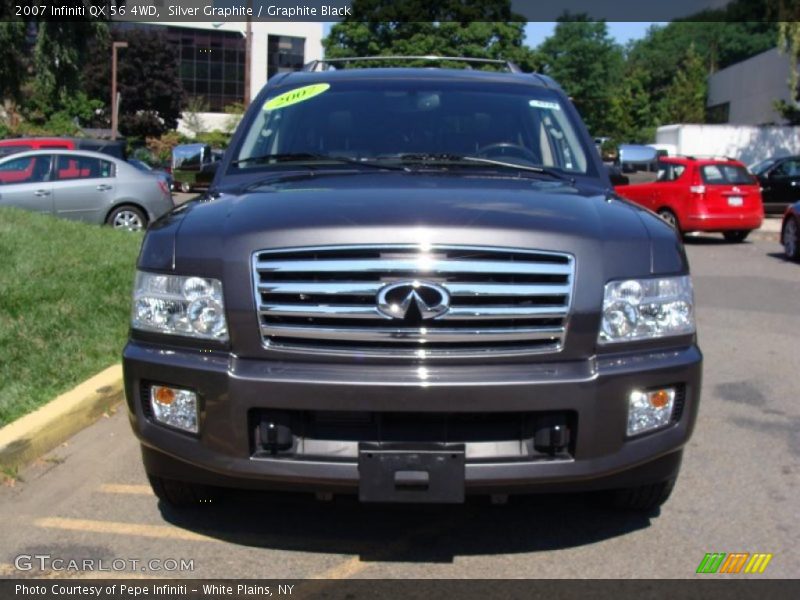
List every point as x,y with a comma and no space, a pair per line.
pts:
115,148
413,285
143,166
84,186
702,194
790,232
780,182
194,166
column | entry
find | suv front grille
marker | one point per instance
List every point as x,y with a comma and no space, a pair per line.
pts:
324,299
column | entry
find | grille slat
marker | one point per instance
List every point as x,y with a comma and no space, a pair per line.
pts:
417,266
324,299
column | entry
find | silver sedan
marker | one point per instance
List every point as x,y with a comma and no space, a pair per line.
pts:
84,186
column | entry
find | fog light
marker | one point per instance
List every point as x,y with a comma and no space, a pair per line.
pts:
649,409
174,407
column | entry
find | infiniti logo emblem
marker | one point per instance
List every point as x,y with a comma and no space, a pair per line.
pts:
413,300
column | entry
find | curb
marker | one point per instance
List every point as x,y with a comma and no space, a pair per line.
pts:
29,437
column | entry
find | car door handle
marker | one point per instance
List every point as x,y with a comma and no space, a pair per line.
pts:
103,187
41,193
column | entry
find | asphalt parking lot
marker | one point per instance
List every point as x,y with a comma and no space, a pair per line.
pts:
737,491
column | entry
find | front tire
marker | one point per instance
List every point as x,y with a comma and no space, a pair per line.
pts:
643,498
128,218
736,237
180,494
670,218
790,238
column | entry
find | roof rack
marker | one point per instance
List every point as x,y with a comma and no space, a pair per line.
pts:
327,64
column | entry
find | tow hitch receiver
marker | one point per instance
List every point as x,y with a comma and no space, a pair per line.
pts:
411,472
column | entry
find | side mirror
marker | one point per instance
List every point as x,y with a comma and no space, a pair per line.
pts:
633,153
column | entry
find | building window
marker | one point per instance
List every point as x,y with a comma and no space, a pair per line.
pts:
212,65
718,114
284,53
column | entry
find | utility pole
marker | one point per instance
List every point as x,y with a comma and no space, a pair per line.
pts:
248,51
114,100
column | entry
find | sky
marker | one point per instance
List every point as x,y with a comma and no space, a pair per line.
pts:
622,32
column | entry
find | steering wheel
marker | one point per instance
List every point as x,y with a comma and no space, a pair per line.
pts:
507,149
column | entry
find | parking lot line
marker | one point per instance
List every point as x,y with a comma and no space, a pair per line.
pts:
118,528
120,488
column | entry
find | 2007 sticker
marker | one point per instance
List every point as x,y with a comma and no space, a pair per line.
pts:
296,95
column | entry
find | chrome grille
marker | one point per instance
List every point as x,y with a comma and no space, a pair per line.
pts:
502,300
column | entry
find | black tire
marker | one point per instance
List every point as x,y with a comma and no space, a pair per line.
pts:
737,236
127,217
180,494
670,218
644,498
790,238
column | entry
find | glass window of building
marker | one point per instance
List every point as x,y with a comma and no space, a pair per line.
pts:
284,53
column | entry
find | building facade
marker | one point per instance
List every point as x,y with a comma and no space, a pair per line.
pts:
212,56
745,93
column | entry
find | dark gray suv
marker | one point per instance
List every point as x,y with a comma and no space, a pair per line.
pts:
412,284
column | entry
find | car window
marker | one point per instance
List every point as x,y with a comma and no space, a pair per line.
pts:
7,150
82,167
788,168
669,171
722,174
367,121
26,169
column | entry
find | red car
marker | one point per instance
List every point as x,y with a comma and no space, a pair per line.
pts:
702,194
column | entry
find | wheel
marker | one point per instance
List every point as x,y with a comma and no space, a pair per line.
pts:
129,218
736,237
180,494
670,218
186,187
790,239
643,498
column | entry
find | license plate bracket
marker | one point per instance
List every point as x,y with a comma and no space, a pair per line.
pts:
432,473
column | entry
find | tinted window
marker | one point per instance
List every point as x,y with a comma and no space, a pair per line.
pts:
788,168
28,169
363,120
6,150
725,175
82,167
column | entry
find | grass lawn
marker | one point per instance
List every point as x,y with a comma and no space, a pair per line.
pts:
65,296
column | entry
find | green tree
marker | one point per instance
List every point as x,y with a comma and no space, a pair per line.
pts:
148,82
789,43
684,101
421,27
583,58
13,68
59,55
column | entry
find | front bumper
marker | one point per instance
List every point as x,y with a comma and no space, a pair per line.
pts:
594,391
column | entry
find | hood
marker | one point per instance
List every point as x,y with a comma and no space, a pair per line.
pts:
347,208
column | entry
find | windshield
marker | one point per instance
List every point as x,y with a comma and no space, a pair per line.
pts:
762,166
412,120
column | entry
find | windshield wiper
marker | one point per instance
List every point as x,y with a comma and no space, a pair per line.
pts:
309,157
461,159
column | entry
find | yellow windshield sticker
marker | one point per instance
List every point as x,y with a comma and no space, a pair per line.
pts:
300,94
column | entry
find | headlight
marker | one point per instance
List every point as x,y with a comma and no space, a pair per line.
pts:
190,306
640,309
